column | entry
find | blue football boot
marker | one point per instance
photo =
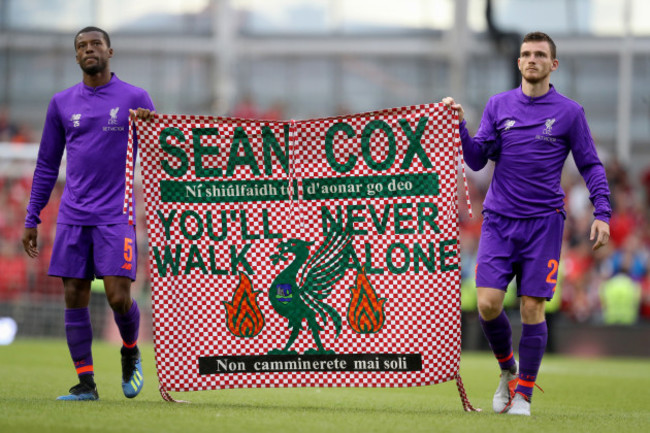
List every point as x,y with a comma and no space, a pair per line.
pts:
81,392
132,378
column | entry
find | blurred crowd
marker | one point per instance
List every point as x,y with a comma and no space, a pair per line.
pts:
11,132
609,286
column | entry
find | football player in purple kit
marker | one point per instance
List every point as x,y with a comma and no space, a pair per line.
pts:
94,239
528,132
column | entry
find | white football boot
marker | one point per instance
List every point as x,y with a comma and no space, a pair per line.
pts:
506,389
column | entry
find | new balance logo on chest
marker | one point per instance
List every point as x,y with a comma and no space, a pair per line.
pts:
76,120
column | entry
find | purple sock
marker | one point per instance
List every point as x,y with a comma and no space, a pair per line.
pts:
79,333
531,351
499,335
129,325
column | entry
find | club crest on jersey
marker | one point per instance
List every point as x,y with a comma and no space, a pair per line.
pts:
548,130
113,113
113,124
509,124
75,119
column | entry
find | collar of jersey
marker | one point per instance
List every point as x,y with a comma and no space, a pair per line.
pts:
524,98
112,81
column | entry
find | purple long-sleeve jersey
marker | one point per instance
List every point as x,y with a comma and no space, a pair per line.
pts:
91,124
529,139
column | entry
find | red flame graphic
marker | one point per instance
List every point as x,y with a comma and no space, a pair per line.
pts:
366,311
244,317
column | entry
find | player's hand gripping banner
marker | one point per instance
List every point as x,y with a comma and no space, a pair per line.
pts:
306,253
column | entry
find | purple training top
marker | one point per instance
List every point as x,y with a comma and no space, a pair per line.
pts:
91,125
529,139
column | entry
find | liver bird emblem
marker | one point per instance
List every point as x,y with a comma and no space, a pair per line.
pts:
303,299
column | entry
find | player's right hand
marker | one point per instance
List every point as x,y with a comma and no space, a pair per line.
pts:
30,236
141,113
449,102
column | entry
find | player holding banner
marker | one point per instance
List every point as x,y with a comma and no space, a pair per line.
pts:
528,132
90,121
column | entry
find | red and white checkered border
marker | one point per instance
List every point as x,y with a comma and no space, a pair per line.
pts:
422,308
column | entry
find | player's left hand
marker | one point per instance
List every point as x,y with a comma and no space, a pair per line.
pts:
449,102
141,113
599,233
30,237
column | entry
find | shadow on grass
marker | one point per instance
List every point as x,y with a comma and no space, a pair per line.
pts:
260,407
323,410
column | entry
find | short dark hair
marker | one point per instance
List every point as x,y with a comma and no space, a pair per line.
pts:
92,29
541,37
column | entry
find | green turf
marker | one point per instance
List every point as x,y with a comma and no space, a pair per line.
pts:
581,395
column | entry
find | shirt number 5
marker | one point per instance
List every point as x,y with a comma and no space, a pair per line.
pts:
128,249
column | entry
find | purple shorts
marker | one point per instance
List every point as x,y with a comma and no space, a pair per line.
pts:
528,249
87,252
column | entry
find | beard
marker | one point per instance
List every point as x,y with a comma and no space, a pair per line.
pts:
534,78
99,66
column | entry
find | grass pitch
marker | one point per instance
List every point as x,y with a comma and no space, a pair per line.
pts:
581,395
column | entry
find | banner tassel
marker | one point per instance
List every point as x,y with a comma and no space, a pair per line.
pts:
461,162
467,406
130,174
165,396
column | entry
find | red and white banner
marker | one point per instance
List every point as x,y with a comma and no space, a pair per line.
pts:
320,252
